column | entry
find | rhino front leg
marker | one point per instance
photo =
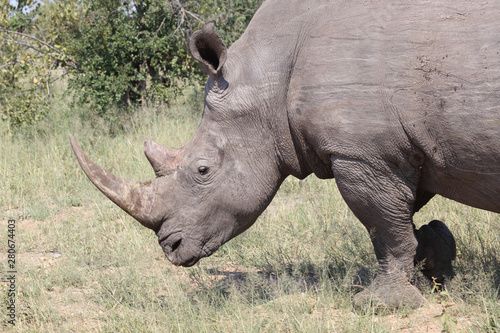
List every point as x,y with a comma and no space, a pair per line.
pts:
382,198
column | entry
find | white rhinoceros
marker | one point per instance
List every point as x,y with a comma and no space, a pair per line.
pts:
397,102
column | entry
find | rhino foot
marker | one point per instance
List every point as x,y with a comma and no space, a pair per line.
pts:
382,297
436,250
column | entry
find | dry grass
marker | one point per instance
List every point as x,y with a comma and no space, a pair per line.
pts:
83,265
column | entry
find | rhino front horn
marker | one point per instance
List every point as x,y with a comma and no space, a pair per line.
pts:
137,198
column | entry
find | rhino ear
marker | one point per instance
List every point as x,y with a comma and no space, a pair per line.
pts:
207,47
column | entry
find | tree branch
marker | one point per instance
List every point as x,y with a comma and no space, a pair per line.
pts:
197,17
73,63
161,25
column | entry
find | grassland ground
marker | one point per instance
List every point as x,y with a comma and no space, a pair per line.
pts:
83,265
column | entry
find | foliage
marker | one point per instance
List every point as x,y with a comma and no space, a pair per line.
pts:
127,53
22,72
135,52
117,53
231,16
29,56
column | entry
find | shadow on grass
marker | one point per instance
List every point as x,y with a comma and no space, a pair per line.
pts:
265,284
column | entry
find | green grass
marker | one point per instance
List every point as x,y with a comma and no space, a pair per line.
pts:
295,270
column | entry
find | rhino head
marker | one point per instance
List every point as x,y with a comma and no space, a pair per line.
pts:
216,186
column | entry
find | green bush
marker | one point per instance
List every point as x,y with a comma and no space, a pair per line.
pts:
24,67
117,54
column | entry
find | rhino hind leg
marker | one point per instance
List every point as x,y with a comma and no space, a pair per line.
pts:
436,250
381,197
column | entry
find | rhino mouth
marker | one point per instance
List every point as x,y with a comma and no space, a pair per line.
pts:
179,250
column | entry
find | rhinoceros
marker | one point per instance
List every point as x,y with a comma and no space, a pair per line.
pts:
398,101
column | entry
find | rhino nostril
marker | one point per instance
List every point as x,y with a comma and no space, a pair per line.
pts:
176,245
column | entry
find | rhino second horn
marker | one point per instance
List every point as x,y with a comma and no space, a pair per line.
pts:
164,160
137,198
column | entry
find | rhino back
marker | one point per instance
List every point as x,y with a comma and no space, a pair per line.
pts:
380,81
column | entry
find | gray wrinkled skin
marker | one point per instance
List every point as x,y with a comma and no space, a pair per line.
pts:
397,102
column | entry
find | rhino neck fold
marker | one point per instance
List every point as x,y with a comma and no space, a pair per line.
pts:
265,85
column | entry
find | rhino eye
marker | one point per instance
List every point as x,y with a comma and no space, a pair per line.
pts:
203,170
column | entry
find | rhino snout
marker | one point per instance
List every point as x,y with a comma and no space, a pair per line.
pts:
179,250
